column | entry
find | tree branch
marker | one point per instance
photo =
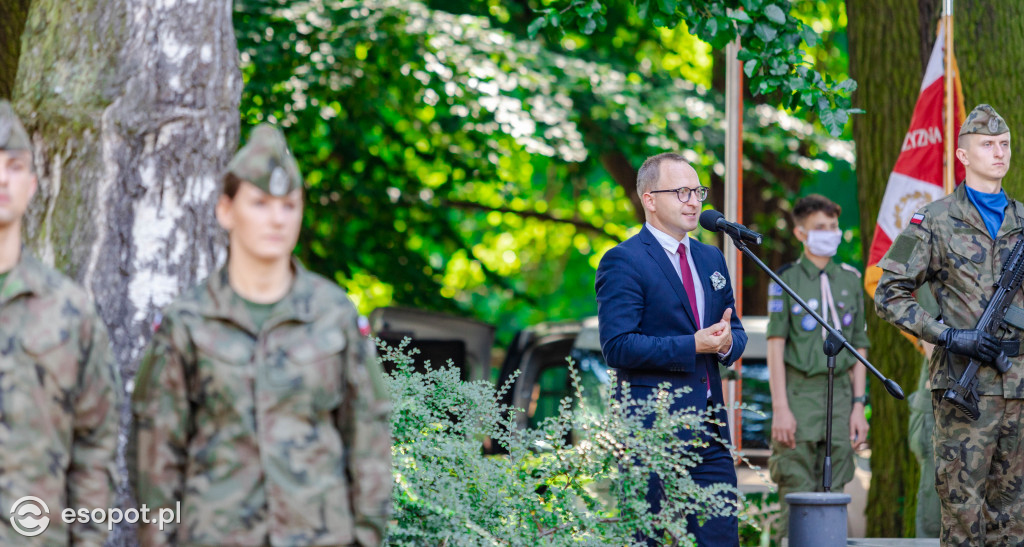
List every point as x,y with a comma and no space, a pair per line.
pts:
622,171
581,224
565,525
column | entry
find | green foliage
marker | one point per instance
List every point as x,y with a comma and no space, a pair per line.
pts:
544,491
764,511
770,37
455,164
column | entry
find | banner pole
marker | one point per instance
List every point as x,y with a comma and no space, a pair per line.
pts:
949,158
733,389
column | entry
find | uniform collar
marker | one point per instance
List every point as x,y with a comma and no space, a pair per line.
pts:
962,209
27,277
225,303
813,271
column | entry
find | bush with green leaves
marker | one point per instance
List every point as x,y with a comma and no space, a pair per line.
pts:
544,490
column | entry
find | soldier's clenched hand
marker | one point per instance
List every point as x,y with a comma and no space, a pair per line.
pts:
971,342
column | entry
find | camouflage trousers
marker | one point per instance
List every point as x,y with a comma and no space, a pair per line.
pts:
979,472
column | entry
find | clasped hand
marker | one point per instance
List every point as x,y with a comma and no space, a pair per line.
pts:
715,338
972,343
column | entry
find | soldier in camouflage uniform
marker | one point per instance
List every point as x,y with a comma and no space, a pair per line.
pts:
59,386
259,404
958,245
797,366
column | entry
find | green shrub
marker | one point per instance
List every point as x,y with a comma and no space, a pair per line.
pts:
544,491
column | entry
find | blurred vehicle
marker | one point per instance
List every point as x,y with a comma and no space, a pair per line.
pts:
539,354
439,337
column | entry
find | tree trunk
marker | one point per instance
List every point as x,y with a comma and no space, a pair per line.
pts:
133,111
889,86
12,22
989,35
986,35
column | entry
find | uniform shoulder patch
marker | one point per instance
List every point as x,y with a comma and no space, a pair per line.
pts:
918,218
850,268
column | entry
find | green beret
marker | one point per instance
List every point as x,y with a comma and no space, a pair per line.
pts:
984,120
266,162
12,134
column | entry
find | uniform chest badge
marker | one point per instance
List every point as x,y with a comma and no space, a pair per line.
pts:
717,281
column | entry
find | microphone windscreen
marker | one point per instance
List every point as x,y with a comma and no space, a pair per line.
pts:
709,220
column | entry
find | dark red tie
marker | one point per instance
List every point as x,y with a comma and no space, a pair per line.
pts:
691,293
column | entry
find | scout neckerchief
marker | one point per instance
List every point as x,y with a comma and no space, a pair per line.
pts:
828,305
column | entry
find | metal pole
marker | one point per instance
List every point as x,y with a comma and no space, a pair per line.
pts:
734,210
948,181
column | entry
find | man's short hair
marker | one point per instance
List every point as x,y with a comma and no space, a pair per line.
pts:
962,140
810,204
647,176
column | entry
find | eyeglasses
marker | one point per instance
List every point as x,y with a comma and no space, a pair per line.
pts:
683,193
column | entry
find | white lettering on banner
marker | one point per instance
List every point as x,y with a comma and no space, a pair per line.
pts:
922,137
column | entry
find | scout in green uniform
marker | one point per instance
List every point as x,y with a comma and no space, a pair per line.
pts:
957,245
796,364
259,404
59,384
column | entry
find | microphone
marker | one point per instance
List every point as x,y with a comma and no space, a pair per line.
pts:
714,221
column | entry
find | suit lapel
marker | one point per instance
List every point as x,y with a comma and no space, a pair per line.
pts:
657,254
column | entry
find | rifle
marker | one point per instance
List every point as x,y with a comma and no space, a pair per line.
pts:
964,394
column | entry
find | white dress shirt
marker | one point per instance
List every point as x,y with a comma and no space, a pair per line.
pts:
671,246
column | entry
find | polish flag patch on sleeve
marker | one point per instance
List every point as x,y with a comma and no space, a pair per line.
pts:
917,218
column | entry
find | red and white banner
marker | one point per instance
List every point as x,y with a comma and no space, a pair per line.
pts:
916,180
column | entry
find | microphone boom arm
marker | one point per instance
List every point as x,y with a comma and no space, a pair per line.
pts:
891,386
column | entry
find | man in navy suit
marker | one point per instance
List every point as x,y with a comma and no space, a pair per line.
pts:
667,314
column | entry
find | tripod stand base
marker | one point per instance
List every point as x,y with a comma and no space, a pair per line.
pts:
817,519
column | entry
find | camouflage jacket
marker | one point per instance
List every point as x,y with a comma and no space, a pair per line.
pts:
59,394
947,245
274,436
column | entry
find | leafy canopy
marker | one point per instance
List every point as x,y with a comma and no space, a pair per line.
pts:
456,164
769,35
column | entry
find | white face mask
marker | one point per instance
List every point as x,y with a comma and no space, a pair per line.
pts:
823,242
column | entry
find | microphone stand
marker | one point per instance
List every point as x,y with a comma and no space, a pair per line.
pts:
833,345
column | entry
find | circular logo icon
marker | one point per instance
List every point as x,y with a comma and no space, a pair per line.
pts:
28,516
278,182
